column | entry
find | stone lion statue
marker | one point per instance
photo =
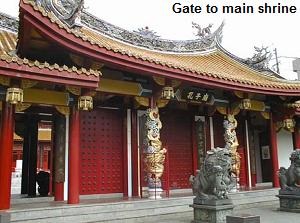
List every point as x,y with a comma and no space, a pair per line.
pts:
290,178
213,180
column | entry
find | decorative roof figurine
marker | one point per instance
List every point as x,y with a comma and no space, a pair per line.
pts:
146,32
261,58
202,32
68,11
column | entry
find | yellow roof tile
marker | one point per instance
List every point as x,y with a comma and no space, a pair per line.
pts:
214,64
8,42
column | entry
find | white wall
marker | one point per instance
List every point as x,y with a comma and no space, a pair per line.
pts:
285,147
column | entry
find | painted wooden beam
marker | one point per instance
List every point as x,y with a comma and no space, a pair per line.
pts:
122,87
39,96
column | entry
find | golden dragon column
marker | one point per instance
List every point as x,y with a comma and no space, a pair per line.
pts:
154,154
231,143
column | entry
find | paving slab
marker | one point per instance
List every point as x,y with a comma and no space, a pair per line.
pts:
268,214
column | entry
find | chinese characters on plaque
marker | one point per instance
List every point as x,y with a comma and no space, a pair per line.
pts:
196,95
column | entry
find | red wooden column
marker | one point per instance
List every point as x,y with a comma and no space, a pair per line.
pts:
274,151
134,154
6,147
59,191
195,147
59,156
125,154
296,135
74,153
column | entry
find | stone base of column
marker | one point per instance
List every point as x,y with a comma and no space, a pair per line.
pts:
155,193
211,213
4,217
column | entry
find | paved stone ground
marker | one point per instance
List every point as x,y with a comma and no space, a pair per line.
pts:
267,213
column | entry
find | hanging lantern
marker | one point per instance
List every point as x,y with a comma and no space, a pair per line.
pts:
245,104
14,95
167,93
289,124
85,103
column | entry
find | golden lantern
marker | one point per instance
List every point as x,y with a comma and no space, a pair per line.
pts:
289,124
167,93
14,95
245,104
85,103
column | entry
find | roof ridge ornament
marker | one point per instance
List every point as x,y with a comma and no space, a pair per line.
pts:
202,32
8,22
137,39
145,31
260,59
68,11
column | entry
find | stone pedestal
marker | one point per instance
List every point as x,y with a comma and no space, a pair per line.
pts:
288,202
243,219
211,213
155,193
4,217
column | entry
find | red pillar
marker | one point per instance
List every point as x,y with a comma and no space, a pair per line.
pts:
59,147
134,154
195,147
296,135
6,147
125,155
59,191
274,151
74,153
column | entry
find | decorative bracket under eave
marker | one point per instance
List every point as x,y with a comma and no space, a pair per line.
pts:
248,104
287,124
5,81
143,101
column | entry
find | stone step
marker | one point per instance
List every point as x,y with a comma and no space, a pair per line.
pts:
255,196
107,211
110,216
126,211
23,199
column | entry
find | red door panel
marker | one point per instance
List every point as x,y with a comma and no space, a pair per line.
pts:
101,152
176,135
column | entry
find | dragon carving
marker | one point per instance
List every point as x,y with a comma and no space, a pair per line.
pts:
231,143
154,154
260,59
68,11
202,32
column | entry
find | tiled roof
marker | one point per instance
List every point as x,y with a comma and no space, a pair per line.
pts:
8,42
215,63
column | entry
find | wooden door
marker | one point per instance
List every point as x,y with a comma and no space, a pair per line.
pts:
176,135
101,152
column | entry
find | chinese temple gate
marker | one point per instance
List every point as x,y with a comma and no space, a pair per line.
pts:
108,111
